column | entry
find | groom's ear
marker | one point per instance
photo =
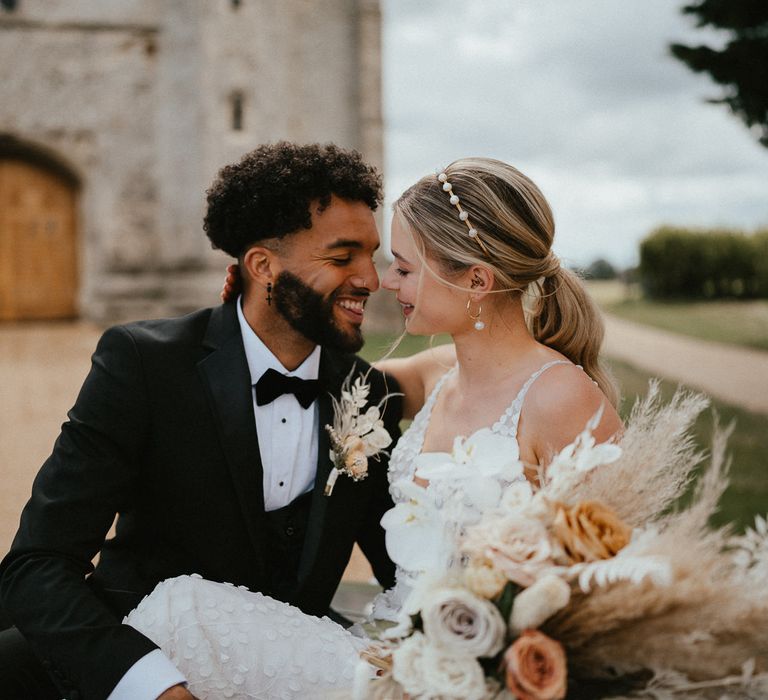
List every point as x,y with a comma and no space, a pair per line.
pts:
258,266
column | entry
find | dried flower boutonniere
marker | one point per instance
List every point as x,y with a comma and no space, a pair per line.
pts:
355,436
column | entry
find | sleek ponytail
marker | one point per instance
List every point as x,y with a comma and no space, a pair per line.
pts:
565,318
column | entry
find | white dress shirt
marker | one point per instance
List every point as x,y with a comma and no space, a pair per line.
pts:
288,446
148,678
287,432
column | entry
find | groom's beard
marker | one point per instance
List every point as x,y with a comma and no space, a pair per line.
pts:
312,314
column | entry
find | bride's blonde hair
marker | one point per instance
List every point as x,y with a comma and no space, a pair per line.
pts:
516,227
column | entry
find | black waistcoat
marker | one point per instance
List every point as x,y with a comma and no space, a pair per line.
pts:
286,531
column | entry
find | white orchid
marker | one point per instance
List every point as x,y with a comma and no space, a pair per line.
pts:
484,453
415,535
583,454
469,478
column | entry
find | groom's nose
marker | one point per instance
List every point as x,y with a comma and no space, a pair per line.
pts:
367,277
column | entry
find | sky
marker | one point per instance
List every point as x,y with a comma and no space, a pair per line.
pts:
582,96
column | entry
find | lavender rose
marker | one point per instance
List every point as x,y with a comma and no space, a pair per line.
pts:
461,623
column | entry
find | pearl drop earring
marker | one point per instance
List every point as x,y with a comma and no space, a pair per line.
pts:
479,325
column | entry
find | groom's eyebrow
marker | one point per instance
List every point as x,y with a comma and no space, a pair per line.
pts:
346,243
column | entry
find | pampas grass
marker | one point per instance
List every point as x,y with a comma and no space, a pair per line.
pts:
695,631
658,459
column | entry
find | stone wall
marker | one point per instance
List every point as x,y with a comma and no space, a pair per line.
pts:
136,98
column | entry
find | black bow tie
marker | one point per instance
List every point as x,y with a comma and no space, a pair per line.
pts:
273,384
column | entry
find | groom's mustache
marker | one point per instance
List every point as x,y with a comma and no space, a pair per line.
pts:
357,292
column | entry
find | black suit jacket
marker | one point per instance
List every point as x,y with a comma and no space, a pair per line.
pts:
163,434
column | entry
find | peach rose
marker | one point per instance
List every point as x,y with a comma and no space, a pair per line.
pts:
535,667
590,531
355,461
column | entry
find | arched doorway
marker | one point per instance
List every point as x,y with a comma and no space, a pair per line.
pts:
38,240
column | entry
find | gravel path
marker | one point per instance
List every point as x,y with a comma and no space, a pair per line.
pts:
733,374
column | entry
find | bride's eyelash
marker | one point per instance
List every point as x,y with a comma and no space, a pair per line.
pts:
401,273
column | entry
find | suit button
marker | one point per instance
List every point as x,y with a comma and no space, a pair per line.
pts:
289,531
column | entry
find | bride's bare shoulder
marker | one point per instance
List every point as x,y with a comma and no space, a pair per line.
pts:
557,408
418,374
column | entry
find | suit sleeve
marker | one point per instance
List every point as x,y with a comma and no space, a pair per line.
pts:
88,478
371,535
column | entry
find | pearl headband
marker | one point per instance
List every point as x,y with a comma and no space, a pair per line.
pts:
463,215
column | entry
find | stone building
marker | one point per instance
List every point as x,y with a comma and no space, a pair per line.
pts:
115,116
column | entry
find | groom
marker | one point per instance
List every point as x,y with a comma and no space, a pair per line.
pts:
215,463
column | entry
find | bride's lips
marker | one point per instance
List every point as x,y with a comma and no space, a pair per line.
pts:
407,308
353,309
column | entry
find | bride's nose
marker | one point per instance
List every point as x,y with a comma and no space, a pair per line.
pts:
389,279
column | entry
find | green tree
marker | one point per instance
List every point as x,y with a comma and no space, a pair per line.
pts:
600,269
741,64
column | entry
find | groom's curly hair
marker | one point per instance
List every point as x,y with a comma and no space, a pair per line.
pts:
268,192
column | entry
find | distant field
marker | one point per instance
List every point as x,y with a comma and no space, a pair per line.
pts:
735,322
378,344
748,446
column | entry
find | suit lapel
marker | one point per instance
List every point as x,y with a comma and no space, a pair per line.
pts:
227,379
333,370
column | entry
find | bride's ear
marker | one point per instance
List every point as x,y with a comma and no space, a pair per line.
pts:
480,280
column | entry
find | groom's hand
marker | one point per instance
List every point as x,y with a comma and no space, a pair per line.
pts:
177,692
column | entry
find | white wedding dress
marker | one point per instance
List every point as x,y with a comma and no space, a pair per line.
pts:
230,642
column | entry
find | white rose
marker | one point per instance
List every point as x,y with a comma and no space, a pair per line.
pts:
408,666
461,623
536,604
447,676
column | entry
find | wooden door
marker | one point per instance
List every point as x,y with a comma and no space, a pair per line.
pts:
38,246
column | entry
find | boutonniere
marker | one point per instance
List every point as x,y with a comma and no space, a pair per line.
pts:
355,436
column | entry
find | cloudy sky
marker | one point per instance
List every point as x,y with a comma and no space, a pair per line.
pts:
581,95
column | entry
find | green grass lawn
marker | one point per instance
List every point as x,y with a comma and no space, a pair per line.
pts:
747,495
735,322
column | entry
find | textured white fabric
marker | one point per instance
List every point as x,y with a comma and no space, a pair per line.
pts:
287,432
233,643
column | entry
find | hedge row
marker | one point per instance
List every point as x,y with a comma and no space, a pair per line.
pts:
704,264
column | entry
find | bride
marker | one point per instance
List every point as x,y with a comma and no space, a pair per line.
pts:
472,258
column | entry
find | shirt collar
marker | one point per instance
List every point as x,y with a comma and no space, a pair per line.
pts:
260,358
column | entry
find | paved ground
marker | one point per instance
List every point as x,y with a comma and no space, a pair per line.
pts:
43,365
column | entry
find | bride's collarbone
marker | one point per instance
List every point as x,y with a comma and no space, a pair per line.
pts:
450,420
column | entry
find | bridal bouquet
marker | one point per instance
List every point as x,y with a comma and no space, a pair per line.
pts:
592,584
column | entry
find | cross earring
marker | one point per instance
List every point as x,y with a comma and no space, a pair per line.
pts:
269,293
